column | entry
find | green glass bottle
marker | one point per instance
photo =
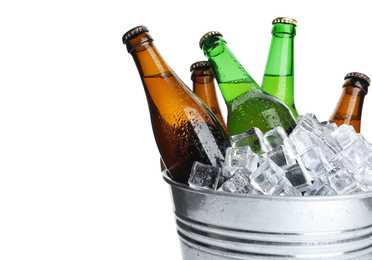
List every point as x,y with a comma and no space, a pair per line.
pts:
278,79
248,106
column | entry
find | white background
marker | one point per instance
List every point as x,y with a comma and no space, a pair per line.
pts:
79,168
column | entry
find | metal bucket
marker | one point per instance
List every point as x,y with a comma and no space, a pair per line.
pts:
217,225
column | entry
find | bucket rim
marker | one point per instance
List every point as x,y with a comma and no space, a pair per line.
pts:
361,195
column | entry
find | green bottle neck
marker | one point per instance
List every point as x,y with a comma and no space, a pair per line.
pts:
280,58
230,75
278,78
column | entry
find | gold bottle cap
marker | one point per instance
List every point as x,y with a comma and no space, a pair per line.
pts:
134,32
207,35
285,20
358,75
199,64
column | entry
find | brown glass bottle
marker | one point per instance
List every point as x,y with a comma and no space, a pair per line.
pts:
349,107
185,130
203,86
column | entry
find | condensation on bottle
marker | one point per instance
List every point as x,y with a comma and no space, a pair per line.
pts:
184,128
349,107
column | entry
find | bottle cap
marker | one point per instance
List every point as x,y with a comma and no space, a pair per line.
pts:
134,32
207,35
285,20
358,75
199,64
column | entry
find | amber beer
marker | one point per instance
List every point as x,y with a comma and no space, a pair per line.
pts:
350,104
185,129
203,86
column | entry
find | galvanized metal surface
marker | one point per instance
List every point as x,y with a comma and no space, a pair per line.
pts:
217,225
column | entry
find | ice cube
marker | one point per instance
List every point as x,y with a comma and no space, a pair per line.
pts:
365,188
225,175
240,158
291,147
364,174
298,178
267,177
367,145
238,183
204,176
275,137
364,142
285,188
329,127
303,139
280,156
313,158
253,191
310,123
343,182
353,155
320,187
329,153
332,143
252,138
345,135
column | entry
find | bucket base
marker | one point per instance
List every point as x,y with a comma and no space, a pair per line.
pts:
192,252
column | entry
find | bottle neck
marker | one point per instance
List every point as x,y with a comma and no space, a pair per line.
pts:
149,62
278,79
203,86
350,105
162,86
353,93
227,69
280,58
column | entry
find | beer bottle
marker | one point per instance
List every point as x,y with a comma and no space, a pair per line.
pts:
350,104
203,86
278,79
248,106
185,130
